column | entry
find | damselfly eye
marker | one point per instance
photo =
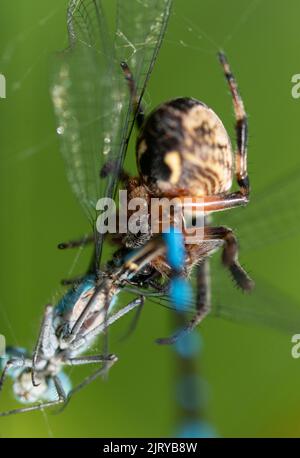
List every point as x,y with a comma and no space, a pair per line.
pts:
184,149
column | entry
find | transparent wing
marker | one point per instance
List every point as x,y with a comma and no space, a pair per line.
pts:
83,91
140,28
265,305
272,216
90,95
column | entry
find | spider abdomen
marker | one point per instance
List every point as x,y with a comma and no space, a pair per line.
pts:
184,149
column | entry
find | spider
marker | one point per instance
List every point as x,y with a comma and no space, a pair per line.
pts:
183,150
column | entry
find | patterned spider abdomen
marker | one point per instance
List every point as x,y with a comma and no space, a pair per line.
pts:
184,149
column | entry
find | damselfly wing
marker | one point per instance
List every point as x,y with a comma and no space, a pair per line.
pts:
90,94
270,218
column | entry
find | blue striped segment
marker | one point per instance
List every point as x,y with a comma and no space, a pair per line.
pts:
180,289
175,248
196,429
68,301
189,346
180,293
191,390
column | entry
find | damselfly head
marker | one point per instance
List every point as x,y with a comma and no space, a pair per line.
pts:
184,149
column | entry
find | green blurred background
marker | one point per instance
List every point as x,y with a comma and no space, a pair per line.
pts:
253,382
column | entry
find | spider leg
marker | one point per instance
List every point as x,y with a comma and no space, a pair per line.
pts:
86,240
241,128
230,255
72,281
61,398
92,268
143,256
203,305
136,102
241,197
230,260
111,167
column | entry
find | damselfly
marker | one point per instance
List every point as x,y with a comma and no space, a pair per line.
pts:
86,311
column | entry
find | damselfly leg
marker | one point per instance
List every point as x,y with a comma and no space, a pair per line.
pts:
61,398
